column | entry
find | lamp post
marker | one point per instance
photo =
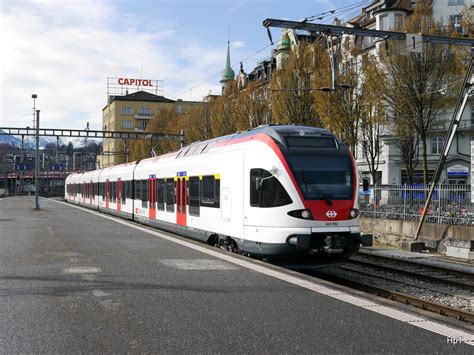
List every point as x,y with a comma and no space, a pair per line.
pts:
37,207
34,97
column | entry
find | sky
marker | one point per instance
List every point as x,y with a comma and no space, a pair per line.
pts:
64,51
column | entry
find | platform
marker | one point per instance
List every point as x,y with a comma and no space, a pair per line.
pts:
77,281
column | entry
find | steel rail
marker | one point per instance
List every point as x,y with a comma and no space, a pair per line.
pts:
418,275
429,267
397,296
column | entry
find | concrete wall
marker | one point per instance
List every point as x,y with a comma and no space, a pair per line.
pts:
440,238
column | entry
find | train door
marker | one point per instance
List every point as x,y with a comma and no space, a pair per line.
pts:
119,194
107,193
152,198
84,190
181,200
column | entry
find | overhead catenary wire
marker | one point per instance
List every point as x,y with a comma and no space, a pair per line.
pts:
333,12
232,66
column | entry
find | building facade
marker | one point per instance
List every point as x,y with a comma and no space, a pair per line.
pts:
391,15
133,112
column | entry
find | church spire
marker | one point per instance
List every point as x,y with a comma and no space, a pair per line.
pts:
227,74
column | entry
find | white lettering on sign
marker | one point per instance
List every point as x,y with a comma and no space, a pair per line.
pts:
137,82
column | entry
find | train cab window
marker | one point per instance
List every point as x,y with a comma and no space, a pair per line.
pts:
145,193
210,191
194,196
170,195
266,190
160,193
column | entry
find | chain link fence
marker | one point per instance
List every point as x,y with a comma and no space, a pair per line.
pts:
450,204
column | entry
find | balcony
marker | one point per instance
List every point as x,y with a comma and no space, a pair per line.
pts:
139,129
143,116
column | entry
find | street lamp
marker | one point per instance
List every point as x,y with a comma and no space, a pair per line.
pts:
34,97
37,207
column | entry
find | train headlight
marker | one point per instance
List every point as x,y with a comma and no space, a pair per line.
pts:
303,214
354,213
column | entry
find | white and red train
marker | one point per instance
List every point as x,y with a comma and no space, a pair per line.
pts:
270,191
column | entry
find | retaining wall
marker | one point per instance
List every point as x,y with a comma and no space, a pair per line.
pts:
456,241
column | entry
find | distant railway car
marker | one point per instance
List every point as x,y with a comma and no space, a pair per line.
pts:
270,191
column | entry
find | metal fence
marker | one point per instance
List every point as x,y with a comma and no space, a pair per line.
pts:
450,204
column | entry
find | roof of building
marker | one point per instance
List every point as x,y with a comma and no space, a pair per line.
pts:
140,96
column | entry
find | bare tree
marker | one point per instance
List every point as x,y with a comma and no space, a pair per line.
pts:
414,82
341,110
292,99
372,115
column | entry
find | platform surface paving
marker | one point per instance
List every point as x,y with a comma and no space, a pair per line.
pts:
74,281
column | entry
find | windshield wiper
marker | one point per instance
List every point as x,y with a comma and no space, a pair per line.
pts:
314,187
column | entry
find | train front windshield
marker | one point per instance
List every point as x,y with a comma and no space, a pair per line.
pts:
322,176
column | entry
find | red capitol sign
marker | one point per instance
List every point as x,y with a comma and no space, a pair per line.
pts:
138,82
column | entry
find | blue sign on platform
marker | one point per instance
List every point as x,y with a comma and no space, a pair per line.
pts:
181,173
20,166
56,167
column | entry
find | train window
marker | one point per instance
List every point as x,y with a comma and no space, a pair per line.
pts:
266,190
114,192
311,142
194,196
160,193
128,189
145,193
138,189
210,191
123,193
170,195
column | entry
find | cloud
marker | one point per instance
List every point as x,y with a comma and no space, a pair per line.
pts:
237,44
64,52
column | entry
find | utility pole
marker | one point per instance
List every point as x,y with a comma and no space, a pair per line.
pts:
37,207
466,92
57,148
181,138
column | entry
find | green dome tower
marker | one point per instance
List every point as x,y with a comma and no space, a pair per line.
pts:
227,74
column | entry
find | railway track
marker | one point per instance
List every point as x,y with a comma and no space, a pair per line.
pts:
436,289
